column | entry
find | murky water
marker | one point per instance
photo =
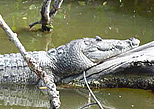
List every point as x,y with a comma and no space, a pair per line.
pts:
76,19
30,97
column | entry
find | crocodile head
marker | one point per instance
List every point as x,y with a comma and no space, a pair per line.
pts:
79,55
98,49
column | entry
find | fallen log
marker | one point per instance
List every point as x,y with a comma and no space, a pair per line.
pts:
132,69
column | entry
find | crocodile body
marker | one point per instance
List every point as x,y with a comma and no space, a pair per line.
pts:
13,68
63,61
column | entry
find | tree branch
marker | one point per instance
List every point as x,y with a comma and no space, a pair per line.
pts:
88,105
32,24
47,15
34,66
57,4
45,11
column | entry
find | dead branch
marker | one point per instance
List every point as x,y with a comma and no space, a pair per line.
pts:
47,15
34,66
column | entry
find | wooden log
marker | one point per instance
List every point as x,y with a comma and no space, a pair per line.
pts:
142,56
134,69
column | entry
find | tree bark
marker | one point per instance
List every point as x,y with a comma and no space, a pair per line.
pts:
134,69
47,15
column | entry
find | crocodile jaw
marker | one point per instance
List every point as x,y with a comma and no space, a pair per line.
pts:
103,49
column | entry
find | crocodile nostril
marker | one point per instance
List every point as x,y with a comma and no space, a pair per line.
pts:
136,42
98,38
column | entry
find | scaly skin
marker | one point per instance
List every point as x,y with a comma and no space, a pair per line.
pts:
13,68
63,61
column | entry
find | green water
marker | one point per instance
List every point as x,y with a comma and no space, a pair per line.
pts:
109,19
30,97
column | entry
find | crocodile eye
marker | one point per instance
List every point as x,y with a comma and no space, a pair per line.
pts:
52,51
98,38
60,49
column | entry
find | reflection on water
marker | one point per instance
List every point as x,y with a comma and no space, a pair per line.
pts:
20,96
23,96
30,97
118,19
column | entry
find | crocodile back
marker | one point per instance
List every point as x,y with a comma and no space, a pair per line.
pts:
13,68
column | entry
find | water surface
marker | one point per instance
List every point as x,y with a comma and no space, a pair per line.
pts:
109,19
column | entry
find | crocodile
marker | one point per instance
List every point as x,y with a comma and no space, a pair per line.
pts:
63,61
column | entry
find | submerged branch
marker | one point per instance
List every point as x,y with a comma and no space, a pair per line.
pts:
88,105
32,24
34,66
